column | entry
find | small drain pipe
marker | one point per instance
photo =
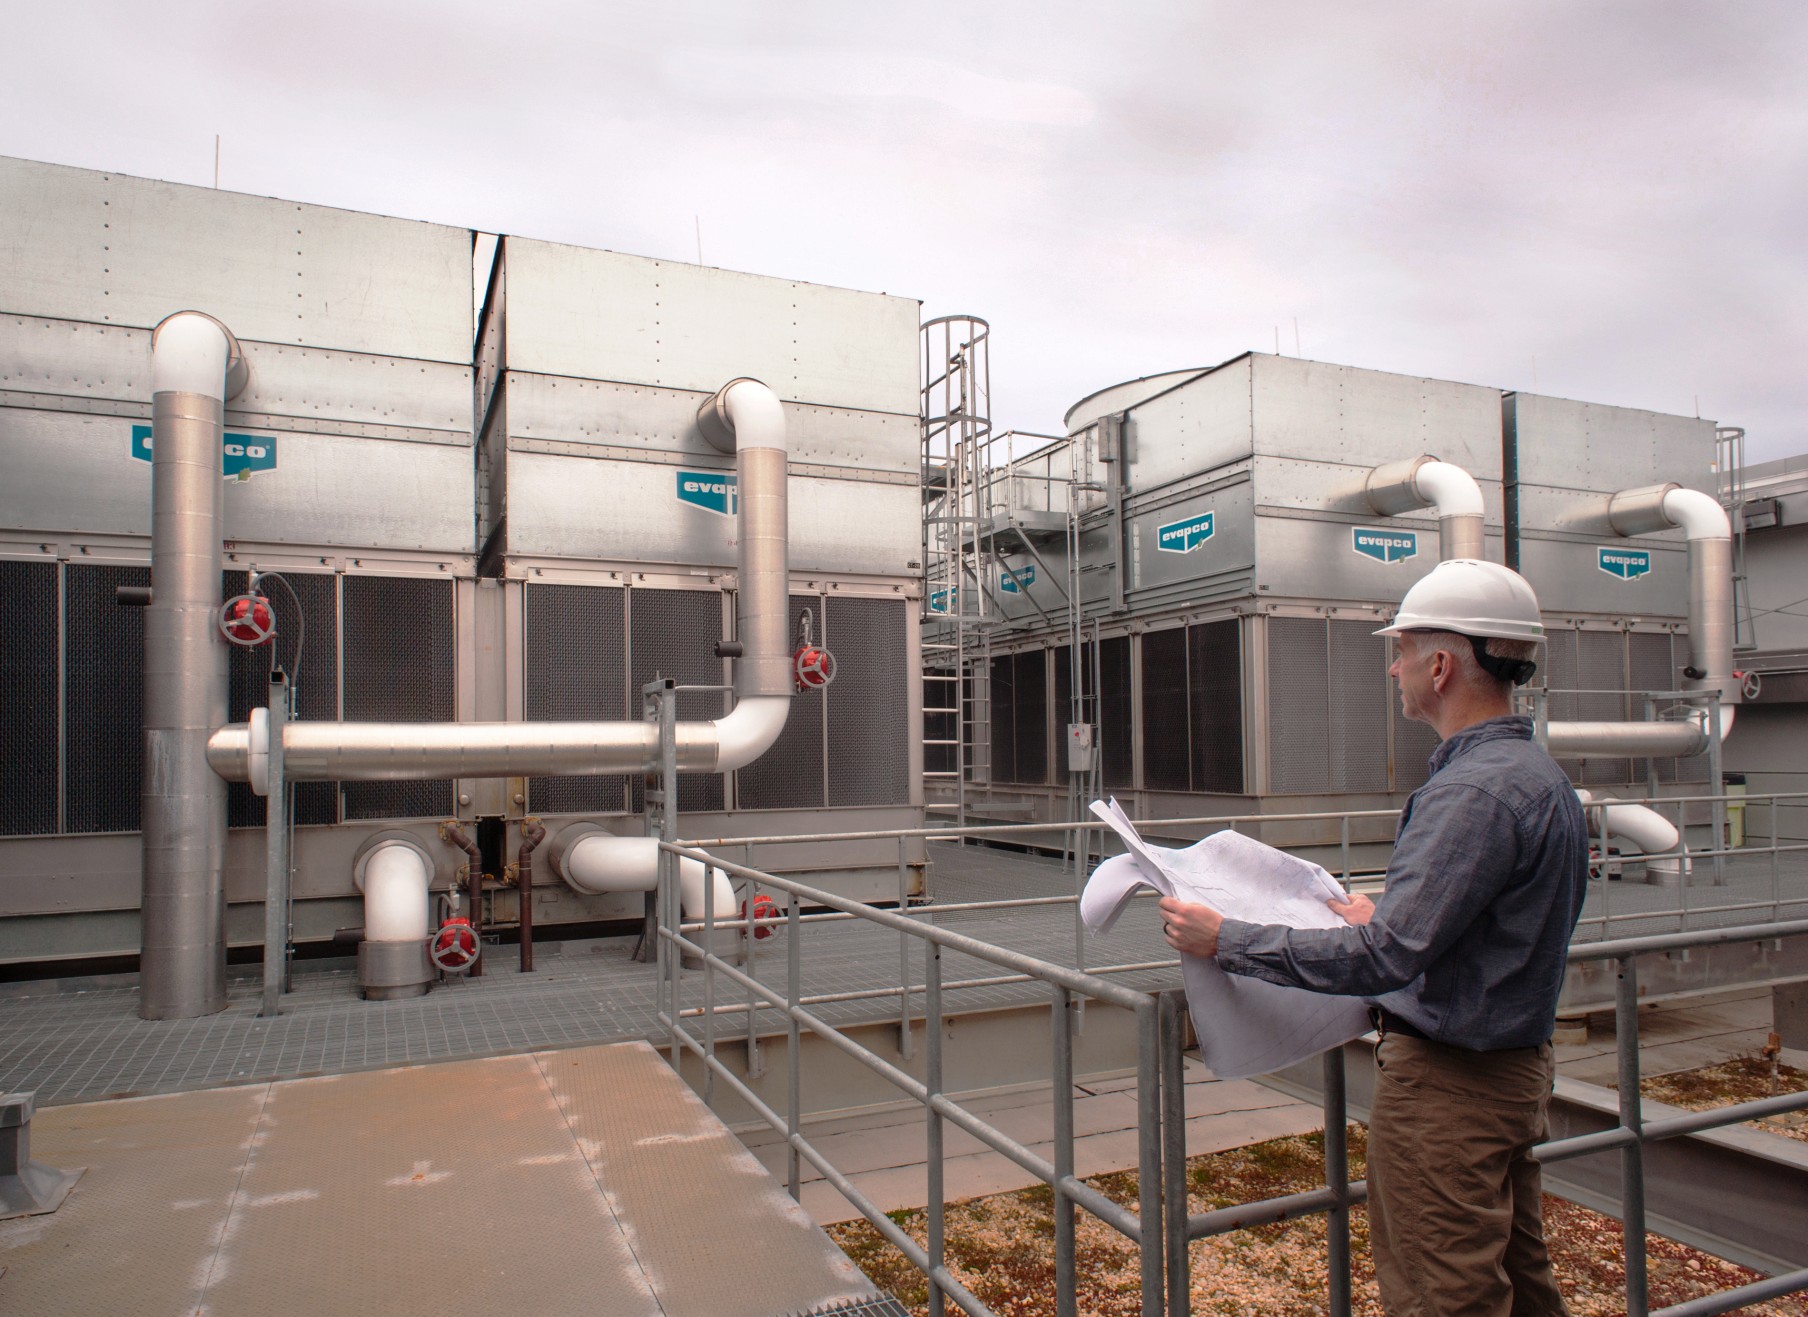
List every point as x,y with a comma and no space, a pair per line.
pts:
450,831
744,417
533,832
1421,482
1710,536
196,366
1655,836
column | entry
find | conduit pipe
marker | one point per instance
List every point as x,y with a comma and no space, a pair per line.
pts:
1710,669
196,366
744,417
1654,835
1419,482
394,873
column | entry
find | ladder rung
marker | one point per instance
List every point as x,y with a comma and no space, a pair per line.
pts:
928,742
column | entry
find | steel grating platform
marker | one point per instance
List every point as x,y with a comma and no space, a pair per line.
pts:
579,1181
79,1040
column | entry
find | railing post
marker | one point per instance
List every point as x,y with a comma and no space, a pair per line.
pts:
905,1048
932,1079
1632,1163
793,997
756,1059
1337,1180
1173,1155
1148,1153
709,986
1716,767
668,947
1061,1027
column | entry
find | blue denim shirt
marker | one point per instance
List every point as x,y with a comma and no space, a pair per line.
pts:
1467,943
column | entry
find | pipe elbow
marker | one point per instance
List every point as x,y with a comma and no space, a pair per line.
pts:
1449,489
394,876
1699,515
191,352
744,413
749,730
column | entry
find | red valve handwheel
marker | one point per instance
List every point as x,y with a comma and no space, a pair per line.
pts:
246,620
454,947
764,907
813,668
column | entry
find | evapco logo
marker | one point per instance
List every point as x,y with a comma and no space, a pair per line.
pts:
1627,564
713,491
1184,536
1385,545
1015,580
241,455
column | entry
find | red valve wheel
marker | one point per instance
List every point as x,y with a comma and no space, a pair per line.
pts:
764,907
813,668
455,946
247,620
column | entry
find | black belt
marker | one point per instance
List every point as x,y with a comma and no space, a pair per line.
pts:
1387,1022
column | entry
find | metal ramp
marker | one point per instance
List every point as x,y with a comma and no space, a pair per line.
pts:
583,1181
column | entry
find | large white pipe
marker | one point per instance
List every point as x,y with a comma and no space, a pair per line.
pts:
1419,482
182,966
1654,835
602,862
395,878
744,417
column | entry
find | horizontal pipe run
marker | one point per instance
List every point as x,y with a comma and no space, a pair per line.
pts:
1660,740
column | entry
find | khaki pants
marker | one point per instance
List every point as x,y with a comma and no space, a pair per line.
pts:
1454,1208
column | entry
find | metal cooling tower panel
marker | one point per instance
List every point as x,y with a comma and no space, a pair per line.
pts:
673,633
399,667
1298,719
869,702
1003,701
104,660
28,698
576,670
1359,698
790,774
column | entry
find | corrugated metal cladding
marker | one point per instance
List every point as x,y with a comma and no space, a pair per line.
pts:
673,633
1329,708
1193,708
28,698
316,683
868,705
399,667
104,699
576,670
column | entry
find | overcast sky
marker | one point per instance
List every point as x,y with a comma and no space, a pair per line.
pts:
1605,201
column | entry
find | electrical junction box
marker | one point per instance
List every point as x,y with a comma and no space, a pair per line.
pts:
1081,753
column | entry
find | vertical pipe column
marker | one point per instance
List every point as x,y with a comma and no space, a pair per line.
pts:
182,968
276,850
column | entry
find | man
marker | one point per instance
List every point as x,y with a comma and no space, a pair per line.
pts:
1461,958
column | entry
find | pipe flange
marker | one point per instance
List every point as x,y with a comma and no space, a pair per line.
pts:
392,837
559,845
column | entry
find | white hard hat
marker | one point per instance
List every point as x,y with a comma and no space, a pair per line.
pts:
1471,598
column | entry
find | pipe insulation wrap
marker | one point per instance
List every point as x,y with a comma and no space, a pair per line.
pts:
395,878
1654,835
1661,740
189,354
604,863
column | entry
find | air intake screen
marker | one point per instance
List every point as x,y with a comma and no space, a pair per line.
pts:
28,698
1031,722
1560,674
869,727
1601,666
790,774
1694,768
1166,759
1117,751
1299,746
317,683
1215,697
104,694
673,633
575,670
1003,699
399,667
1358,713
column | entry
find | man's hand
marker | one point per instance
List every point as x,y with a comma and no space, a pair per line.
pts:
1357,910
1189,928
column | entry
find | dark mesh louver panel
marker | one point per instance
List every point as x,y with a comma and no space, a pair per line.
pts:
1060,703
28,697
1560,674
1166,764
1601,666
869,702
673,633
1117,759
1648,669
1359,696
399,667
1215,697
575,670
1003,699
1299,747
104,696
1694,768
1031,722
317,683
789,775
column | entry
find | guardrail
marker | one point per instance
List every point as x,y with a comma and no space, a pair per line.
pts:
1161,1122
